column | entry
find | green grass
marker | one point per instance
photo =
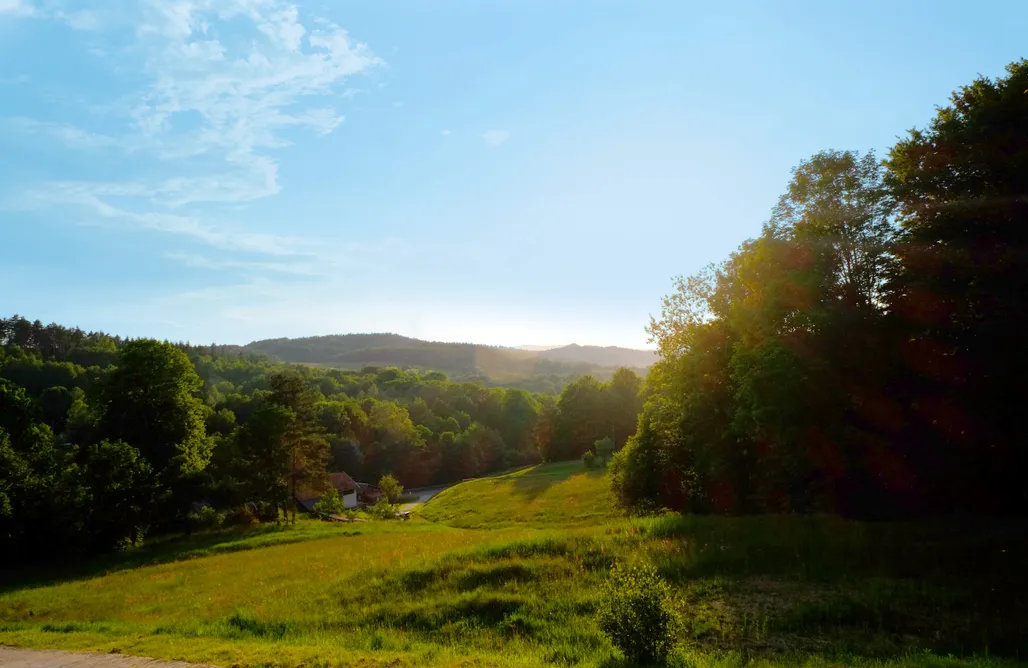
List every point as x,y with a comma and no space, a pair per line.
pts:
509,571
563,494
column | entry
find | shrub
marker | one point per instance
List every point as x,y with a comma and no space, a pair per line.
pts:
383,510
635,612
205,518
240,517
330,504
391,488
589,459
604,448
267,512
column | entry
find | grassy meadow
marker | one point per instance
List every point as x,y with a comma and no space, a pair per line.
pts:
554,495
506,571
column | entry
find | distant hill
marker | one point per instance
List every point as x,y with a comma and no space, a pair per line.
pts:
458,360
608,356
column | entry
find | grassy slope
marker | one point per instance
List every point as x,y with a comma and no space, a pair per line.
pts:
508,574
553,495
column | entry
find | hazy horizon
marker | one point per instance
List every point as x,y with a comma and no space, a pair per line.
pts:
238,170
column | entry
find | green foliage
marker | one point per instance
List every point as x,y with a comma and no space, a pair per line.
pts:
263,426
588,411
149,400
121,488
264,459
961,289
391,488
383,510
242,516
635,613
589,460
634,469
301,440
842,362
329,504
221,422
604,449
206,518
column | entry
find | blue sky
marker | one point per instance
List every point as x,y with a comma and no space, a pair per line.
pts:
496,171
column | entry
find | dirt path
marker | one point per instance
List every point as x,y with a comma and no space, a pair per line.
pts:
13,657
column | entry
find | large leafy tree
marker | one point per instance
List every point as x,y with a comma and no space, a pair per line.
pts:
759,354
38,488
264,462
150,401
962,289
118,492
393,438
624,400
581,419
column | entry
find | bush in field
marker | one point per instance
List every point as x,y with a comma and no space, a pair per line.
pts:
391,488
205,518
330,504
383,510
267,512
604,448
240,517
636,614
589,459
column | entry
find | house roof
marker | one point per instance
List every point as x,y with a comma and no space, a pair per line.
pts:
309,495
342,482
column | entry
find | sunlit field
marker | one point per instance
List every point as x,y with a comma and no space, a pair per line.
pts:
541,496
760,591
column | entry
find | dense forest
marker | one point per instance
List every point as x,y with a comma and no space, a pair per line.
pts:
865,354
103,440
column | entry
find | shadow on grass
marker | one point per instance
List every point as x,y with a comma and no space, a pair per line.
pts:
163,550
529,485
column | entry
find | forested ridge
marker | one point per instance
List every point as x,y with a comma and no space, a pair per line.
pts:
545,371
104,440
865,353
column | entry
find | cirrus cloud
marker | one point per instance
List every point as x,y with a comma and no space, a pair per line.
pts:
495,137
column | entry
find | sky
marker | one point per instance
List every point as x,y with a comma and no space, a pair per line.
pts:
493,171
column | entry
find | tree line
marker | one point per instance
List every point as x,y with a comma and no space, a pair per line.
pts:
865,353
104,440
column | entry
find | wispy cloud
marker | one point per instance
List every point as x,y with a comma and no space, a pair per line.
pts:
225,87
77,19
97,198
446,133
80,20
229,81
246,96
495,137
68,135
17,8
204,262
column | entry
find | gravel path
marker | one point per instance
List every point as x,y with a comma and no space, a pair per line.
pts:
13,657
